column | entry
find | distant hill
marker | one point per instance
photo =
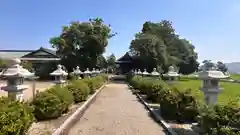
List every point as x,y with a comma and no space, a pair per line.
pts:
233,67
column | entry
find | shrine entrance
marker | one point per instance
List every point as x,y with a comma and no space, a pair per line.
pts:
124,64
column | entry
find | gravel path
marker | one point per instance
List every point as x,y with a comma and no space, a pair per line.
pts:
116,111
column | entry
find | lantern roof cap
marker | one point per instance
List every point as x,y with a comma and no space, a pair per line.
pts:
16,70
87,71
212,74
154,72
59,71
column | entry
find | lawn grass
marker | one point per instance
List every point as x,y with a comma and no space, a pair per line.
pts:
230,92
235,76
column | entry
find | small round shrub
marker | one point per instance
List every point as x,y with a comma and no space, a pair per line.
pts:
47,106
180,105
220,119
63,94
72,77
135,82
94,83
90,84
168,103
80,90
98,82
15,117
104,77
154,92
145,85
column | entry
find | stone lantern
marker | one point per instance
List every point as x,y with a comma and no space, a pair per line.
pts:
135,72
87,73
77,72
59,75
155,73
211,87
139,72
145,73
98,71
94,73
171,74
15,75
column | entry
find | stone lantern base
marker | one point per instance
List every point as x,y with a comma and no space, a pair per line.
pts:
15,92
87,75
16,96
211,95
59,81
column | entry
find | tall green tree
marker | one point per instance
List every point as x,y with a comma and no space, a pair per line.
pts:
158,46
101,62
111,61
222,67
82,43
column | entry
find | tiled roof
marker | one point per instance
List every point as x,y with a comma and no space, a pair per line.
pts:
12,54
49,51
20,53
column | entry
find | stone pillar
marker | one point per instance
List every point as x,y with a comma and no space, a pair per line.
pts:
34,85
211,90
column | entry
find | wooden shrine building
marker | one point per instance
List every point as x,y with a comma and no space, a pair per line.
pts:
38,58
125,63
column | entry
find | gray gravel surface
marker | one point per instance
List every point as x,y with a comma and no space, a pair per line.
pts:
116,111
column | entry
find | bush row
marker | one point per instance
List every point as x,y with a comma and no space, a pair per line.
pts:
16,117
185,105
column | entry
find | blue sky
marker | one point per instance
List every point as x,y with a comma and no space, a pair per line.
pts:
211,25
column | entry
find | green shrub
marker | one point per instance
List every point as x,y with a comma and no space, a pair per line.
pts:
95,83
145,85
79,89
63,94
72,77
98,81
135,82
47,105
104,77
15,117
179,105
168,103
154,93
220,120
222,131
129,77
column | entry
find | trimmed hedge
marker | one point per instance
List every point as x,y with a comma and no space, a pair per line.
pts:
185,105
64,95
79,89
94,83
220,120
55,101
47,106
179,105
15,117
